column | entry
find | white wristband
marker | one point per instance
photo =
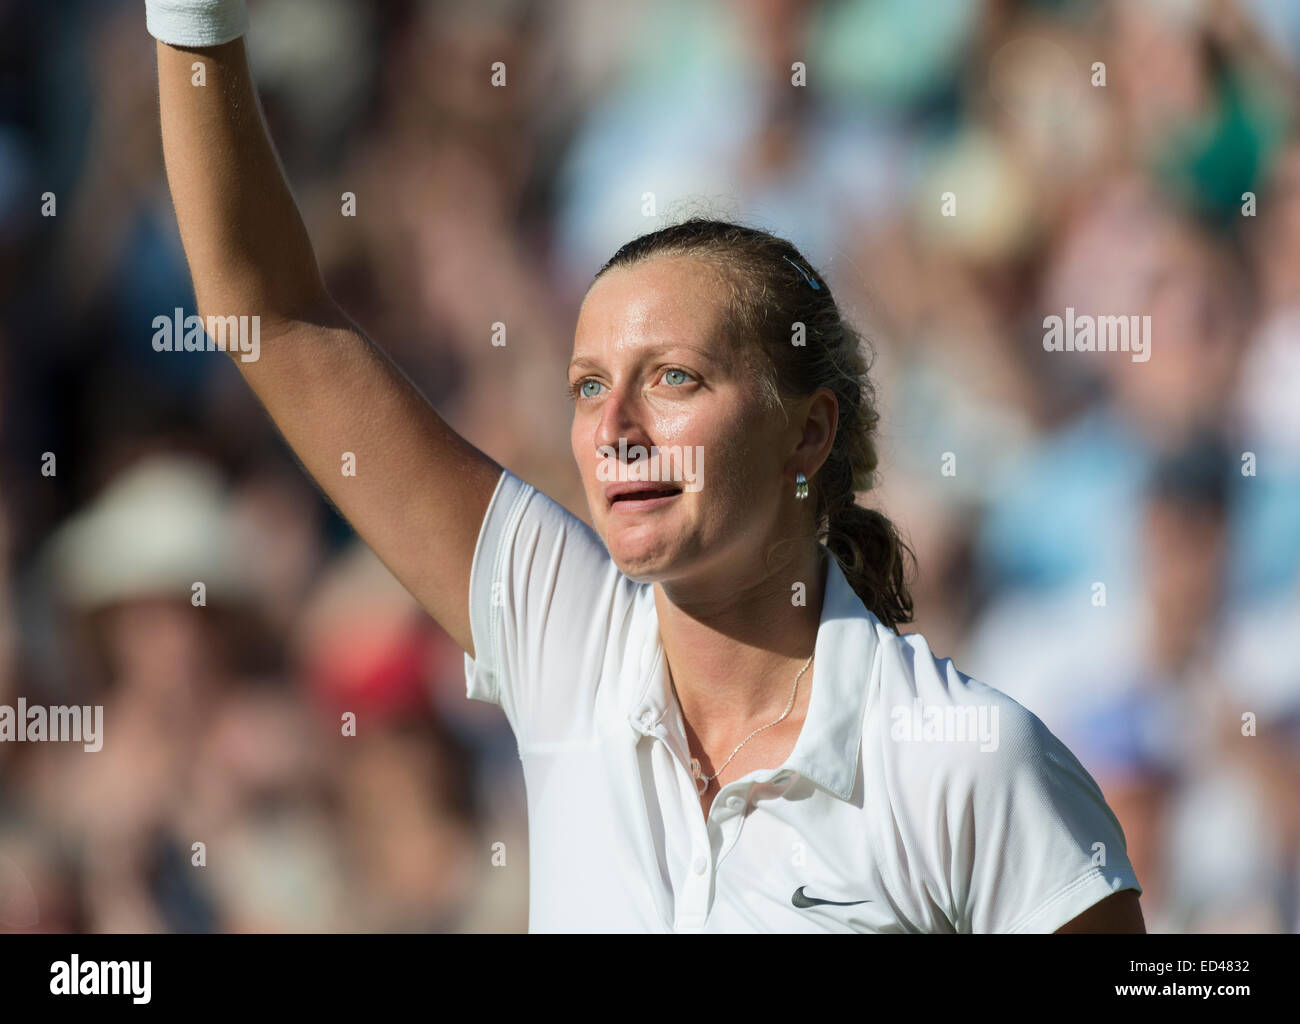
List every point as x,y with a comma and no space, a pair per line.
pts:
195,22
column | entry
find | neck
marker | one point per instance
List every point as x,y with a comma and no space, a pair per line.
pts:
735,648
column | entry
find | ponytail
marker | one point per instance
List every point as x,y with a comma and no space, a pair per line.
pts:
874,560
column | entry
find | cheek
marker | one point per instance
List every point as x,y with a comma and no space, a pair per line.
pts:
738,474
720,423
581,444
683,424
739,458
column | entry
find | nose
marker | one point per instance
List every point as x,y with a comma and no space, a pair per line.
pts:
622,420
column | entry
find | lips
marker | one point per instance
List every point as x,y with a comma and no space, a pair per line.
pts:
640,495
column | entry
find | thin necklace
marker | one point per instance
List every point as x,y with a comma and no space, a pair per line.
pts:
701,780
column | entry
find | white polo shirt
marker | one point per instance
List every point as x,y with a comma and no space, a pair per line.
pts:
916,799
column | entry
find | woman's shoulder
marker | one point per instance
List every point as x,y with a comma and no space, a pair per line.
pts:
930,712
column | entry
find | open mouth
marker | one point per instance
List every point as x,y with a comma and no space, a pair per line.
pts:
639,498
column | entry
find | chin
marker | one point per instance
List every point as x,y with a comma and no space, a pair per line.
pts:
642,555
642,566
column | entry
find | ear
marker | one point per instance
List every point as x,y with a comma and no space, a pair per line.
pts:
815,420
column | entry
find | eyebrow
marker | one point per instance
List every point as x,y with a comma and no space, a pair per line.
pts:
587,361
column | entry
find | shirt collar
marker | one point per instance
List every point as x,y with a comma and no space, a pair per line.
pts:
827,748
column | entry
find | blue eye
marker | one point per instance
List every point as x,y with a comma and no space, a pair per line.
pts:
582,388
668,375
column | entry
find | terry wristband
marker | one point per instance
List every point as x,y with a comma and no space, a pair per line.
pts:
195,22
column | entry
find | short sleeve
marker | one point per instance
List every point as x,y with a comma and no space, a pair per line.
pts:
545,600
1000,828
1037,843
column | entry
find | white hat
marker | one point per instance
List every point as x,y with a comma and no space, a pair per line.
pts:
160,527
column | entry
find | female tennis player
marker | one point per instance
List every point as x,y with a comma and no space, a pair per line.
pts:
720,726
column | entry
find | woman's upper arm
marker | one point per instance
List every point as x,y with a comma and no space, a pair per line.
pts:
412,488
410,485
1120,914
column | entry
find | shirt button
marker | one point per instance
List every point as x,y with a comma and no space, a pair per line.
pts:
647,717
699,865
735,802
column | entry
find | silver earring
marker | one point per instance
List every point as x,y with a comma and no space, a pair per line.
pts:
800,487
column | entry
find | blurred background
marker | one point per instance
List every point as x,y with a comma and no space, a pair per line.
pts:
1174,483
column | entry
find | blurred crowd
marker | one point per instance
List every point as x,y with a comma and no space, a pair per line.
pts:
1114,543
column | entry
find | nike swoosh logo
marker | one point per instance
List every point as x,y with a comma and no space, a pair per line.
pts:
803,902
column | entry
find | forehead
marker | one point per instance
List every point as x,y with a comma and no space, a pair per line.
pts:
659,300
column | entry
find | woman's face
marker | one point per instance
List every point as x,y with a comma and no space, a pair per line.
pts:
653,367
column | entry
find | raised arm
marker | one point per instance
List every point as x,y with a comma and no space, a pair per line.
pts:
420,490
